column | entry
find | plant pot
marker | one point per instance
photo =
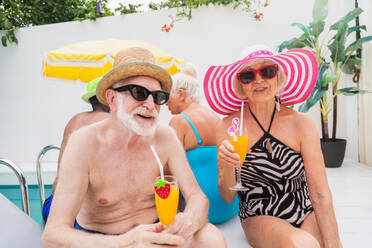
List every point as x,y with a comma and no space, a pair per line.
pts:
333,152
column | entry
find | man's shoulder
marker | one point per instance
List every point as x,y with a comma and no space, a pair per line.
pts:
164,130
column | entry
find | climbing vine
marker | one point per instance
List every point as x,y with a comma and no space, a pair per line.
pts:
15,14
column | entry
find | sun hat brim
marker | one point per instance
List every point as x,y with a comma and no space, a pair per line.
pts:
130,70
299,66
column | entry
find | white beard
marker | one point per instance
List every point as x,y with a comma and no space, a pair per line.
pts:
131,124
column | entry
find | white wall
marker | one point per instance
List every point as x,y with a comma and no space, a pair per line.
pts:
34,110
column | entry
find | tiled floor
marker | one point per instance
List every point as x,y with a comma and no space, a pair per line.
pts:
351,186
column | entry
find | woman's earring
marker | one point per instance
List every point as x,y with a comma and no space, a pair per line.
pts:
277,103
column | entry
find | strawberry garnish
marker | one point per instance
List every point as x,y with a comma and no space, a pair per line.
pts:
162,189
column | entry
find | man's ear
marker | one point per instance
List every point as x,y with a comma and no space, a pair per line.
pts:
111,99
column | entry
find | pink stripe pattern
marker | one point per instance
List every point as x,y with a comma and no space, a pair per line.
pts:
299,66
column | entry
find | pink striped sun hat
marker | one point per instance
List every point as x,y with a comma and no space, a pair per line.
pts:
299,67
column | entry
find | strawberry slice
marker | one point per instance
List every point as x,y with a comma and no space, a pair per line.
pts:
162,189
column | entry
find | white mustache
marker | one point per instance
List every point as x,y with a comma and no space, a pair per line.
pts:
144,111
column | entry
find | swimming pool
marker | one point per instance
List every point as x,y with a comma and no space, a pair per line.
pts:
12,192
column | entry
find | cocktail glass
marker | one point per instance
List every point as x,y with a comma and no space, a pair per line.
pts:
167,208
240,144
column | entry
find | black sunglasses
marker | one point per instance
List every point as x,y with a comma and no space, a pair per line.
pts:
141,93
249,75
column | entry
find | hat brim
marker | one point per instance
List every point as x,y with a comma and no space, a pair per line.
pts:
131,70
88,95
299,66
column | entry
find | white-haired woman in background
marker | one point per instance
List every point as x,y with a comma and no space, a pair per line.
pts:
195,126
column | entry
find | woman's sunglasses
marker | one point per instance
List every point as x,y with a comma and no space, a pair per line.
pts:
249,75
141,93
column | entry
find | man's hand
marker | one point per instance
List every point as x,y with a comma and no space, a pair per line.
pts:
182,226
226,154
153,236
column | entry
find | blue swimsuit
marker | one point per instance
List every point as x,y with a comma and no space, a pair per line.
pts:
203,162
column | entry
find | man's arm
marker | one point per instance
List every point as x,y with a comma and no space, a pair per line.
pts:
195,215
320,194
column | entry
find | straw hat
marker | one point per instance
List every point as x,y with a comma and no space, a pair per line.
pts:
224,92
91,89
130,62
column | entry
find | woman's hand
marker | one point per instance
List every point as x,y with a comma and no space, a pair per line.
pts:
226,155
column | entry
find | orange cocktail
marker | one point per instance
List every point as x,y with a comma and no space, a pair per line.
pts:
166,199
240,144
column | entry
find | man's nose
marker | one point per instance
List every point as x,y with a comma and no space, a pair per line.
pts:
149,103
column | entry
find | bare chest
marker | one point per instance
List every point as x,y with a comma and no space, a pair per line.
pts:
123,179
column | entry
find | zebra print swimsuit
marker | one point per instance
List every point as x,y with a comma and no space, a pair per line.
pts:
275,176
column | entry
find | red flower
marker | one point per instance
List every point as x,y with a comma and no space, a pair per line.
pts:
257,16
165,28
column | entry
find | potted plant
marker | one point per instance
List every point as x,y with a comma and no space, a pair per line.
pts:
334,57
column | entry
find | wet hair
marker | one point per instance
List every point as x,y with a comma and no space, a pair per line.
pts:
97,105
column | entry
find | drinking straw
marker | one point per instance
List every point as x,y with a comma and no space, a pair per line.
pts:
159,163
241,119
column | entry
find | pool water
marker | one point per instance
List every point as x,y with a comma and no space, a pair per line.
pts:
13,193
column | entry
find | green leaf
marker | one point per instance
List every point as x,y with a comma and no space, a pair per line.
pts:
348,67
328,78
347,18
314,97
161,184
354,46
317,27
302,27
359,42
349,91
294,43
320,10
337,47
319,90
3,40
356,28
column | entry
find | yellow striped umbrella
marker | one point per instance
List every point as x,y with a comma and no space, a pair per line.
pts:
91,59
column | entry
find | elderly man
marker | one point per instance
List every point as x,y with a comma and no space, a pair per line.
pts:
107,172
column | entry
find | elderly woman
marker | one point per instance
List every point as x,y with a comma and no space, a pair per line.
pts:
195,126
288,202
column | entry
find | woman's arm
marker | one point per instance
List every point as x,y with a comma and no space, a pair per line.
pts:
320,194
226,162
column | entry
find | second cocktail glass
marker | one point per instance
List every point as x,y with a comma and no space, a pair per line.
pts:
166,199
240,144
